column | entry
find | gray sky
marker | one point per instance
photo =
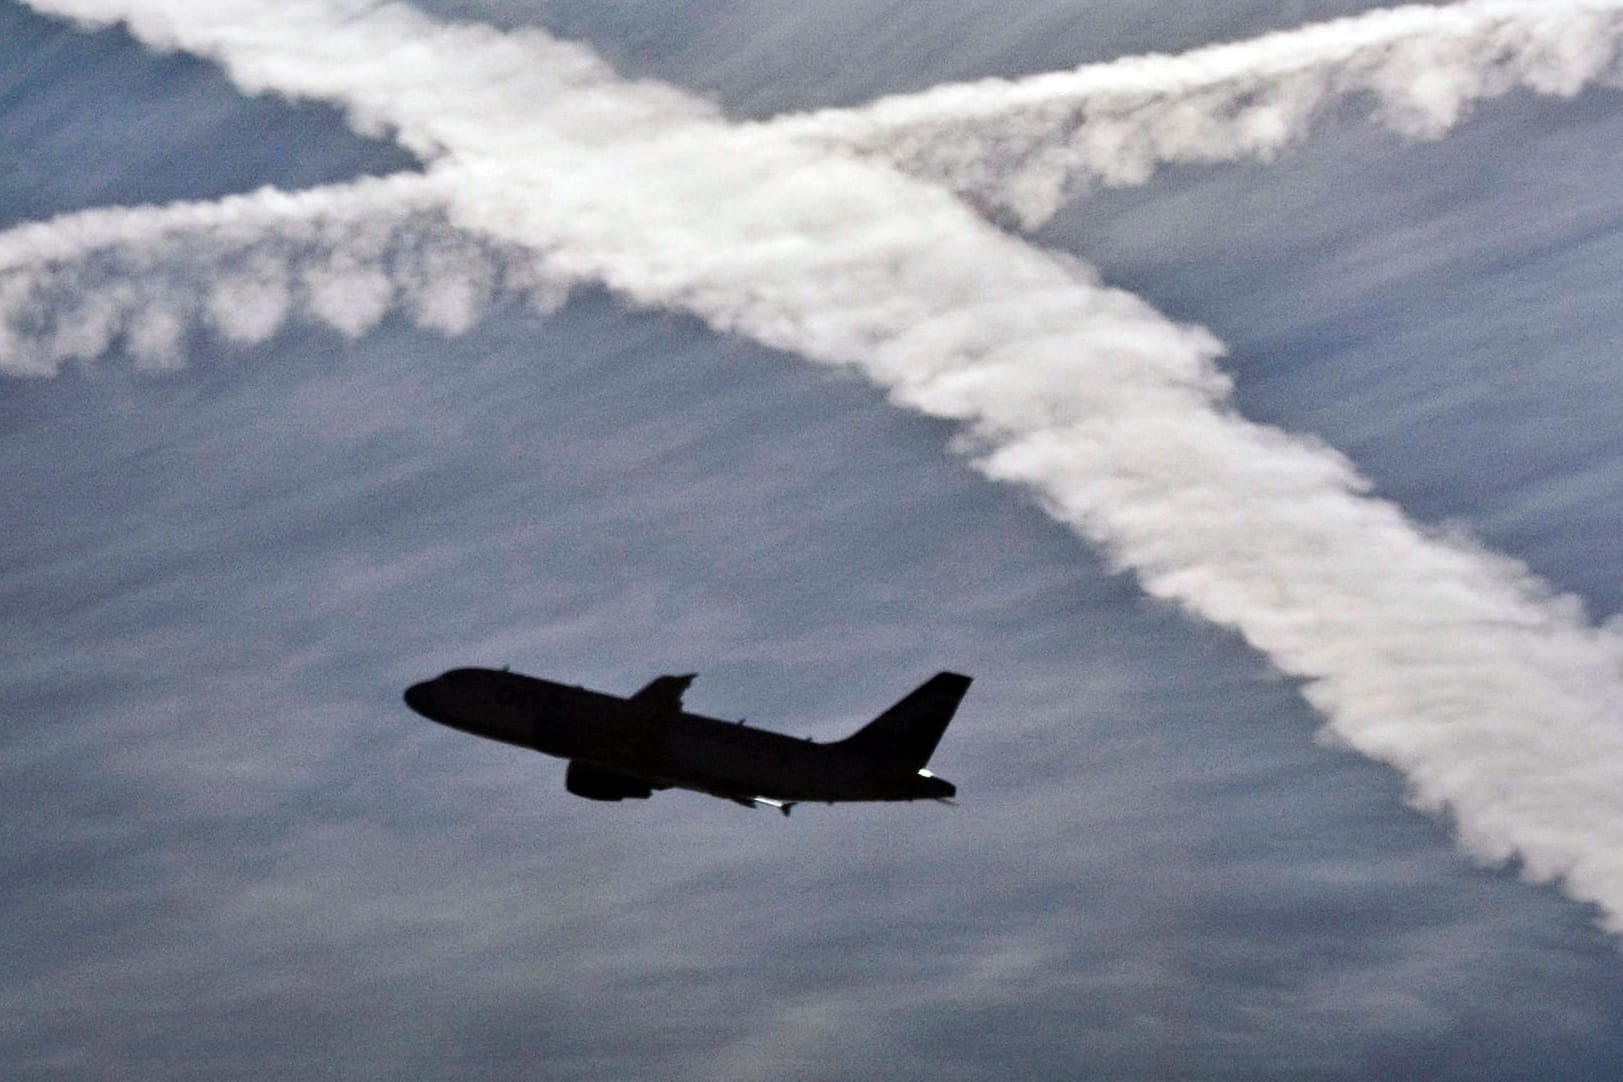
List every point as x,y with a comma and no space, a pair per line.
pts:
229,850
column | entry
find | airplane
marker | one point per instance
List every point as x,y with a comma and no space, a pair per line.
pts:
627,748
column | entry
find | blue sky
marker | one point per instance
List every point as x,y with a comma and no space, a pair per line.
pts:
231,851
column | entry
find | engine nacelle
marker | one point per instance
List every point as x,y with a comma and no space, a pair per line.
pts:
595,783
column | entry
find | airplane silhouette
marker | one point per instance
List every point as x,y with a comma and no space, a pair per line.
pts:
626,748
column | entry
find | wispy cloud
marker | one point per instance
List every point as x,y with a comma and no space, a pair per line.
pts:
1496,698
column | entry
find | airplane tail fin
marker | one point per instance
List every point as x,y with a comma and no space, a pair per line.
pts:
908,732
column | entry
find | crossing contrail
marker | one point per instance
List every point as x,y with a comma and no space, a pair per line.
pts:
72,286
1025,147
1497,698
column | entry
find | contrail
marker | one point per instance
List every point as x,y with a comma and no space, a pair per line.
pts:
341,254
1496,698
1020,148
1026,147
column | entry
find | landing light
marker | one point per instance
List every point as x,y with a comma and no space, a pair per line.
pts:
923,773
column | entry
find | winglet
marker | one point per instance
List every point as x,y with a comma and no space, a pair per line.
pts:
664,692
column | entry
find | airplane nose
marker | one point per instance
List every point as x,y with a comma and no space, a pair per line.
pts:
417,698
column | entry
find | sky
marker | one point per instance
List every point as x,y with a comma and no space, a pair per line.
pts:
1240,419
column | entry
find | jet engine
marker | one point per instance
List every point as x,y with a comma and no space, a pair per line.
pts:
595,783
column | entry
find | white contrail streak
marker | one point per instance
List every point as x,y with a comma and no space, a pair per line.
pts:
343,254
1025,147
1497,699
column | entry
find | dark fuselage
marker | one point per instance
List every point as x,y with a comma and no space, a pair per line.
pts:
661,744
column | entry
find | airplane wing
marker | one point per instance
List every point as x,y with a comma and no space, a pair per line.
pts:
785,806
664,692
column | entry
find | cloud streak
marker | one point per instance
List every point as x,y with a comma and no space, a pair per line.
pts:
1497,699
1025,147
73,287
